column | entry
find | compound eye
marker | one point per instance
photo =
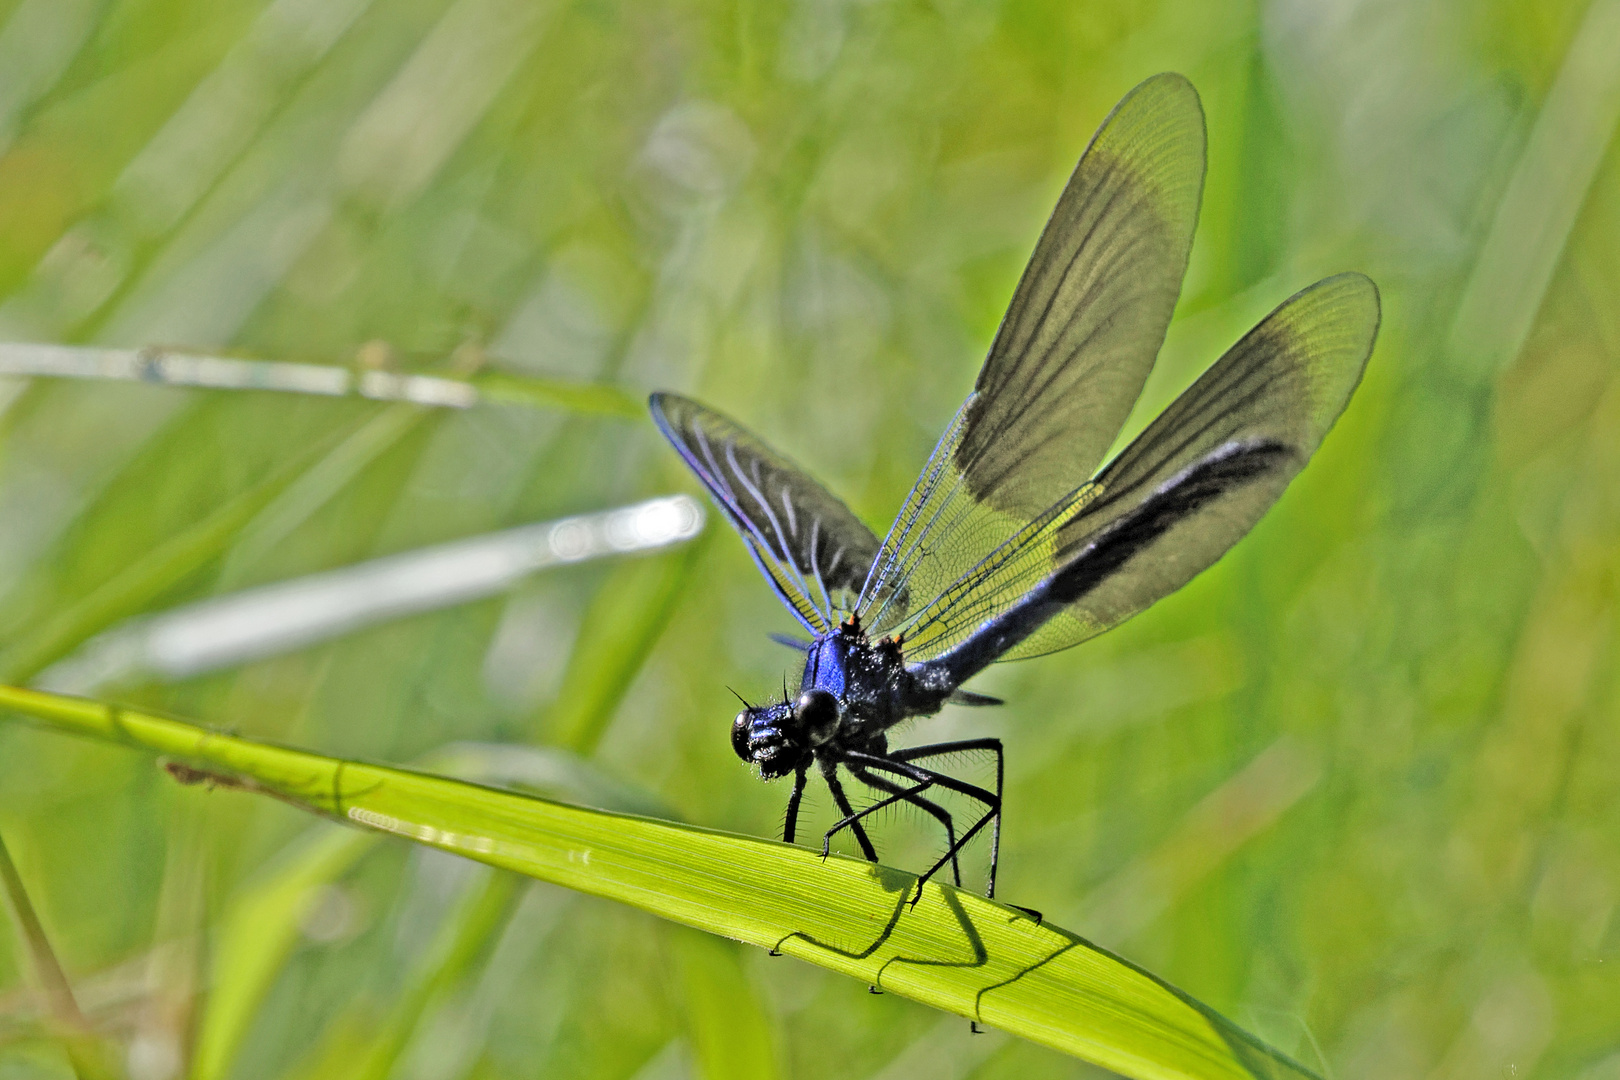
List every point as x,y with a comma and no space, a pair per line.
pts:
741,728
817,714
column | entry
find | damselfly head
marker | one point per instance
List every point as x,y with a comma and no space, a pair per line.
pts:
764,735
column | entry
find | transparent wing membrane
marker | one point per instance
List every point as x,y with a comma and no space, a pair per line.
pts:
1066,366
1091,309
940,532
997,582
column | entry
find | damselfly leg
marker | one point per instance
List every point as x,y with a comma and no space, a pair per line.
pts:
911,795
903,763
790,824
829,772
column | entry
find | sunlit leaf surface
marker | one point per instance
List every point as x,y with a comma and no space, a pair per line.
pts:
985,961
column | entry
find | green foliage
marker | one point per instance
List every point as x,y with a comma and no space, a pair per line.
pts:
1352,787
947,948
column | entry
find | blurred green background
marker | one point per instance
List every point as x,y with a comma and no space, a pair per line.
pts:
1354,786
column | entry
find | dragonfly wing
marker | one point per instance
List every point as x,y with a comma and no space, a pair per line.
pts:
809,545
1090,312
1182,493
1072,352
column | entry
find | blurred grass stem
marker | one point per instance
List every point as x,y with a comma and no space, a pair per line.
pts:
1542,200
59,1006
183,368
139,583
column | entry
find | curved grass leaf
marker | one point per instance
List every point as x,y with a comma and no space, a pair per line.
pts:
953,950
261,922
143,580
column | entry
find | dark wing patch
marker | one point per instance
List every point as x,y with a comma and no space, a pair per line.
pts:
1285,382
1224,473
1182,493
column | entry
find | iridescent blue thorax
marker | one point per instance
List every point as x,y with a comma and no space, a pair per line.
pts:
826,663
851,692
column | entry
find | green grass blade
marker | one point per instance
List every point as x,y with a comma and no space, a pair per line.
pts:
727,1028
174,367
259,929
85,1052
589,399
318,485
467,929
620,628
955,951
148,577
1543,199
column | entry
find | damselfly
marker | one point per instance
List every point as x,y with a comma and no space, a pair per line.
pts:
1013,543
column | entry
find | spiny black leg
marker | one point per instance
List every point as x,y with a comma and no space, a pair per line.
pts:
912,795
856,816
829,772
851,821
917,753
918,773
790,826
940,814
932,870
